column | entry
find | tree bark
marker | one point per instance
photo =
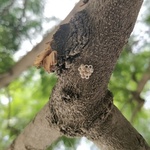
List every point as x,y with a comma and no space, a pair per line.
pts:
94,37
38,135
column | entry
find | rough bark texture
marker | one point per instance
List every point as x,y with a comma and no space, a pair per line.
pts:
84,107
38,135
94,36
116,133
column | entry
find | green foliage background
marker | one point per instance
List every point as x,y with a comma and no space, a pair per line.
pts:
25,96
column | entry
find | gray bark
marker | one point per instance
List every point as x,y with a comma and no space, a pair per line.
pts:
84,107
94,36
38,135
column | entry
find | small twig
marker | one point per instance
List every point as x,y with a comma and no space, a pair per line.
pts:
136,110
136,95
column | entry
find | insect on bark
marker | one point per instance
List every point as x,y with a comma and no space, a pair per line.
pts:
47,59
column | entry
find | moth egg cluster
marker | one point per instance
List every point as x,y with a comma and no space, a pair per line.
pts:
85,71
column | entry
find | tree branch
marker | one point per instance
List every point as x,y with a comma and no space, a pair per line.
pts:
143,81
38,135
110,136
94,38
136,95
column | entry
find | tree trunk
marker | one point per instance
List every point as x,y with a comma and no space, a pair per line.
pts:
80,105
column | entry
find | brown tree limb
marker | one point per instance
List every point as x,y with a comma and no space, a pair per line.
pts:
137,109
38,135
84,107
143,81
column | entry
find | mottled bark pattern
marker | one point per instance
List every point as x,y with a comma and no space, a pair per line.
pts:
94,36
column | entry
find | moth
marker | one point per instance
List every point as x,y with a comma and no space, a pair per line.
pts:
47,59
